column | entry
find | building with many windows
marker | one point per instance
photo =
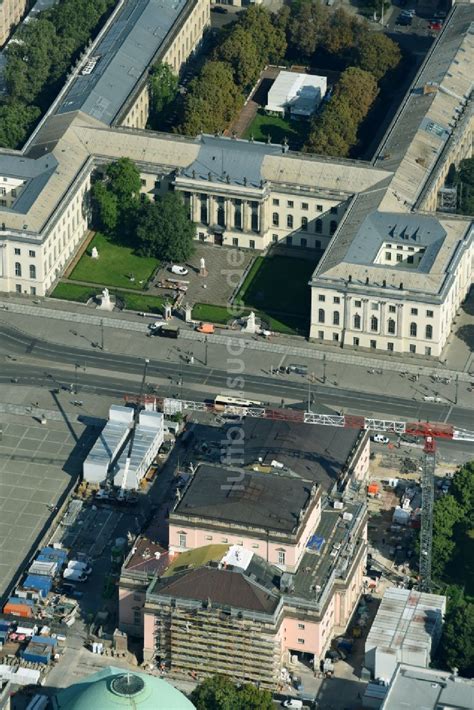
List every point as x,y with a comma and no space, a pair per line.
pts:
276,554
394,270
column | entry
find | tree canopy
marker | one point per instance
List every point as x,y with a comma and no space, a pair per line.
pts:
115,198
161,229
457,641
37,62
164,229
216,95
213,100
377,54
334,129
163,91
220,693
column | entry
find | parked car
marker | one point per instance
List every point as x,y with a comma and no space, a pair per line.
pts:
435,26
297,369
409,438
219,9
292,703
380,439
166,331
180,270
404,20
207,328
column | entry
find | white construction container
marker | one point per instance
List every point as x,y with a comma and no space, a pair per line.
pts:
406,629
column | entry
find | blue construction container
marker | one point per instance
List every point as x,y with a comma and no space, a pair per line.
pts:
48,640
40,583
37,653
49,554
57,554
18,600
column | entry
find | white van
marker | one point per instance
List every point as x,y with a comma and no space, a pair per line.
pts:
82,566
294,703
74,575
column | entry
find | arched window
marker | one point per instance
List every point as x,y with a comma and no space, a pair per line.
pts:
319,226
17,268
304,224
374,323
276,219
391,326
289,221
357,321
413,330
32,271
335,318
321,315
429,332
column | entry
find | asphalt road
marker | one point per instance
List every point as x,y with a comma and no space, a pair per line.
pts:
33,361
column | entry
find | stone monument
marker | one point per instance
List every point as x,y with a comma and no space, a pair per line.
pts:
202,267
105,301
95,253
250,325
188,313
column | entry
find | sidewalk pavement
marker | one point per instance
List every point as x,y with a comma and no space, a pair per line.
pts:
282,345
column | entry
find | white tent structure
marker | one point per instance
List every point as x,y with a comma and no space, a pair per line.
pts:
298,94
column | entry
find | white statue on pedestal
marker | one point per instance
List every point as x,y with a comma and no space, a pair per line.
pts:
250,325
202,267
105,301
95,253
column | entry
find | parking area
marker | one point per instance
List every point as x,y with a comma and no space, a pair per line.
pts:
38,463
217,286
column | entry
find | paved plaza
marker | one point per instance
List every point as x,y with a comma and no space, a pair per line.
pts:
225,268
38,463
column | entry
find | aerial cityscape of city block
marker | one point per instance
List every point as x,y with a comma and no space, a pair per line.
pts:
236,354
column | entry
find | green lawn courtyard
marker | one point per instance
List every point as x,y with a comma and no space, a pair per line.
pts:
276,288
131,301
114,265
278,129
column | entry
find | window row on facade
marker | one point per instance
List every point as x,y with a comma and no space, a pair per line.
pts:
374,324
412,348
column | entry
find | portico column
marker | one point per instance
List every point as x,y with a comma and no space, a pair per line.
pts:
365,327
247,217
229,222
195,207
400,320
382,318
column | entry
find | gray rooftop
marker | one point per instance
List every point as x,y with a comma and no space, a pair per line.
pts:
263,500
397,228
317,455
428,689
239,161
125,52
35,173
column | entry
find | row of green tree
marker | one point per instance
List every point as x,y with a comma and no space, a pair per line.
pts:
453,547
336,39
217,94
463,179
159,228
304,31
220,693
39,59
334,129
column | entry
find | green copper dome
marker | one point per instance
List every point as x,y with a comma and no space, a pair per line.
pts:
115,688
